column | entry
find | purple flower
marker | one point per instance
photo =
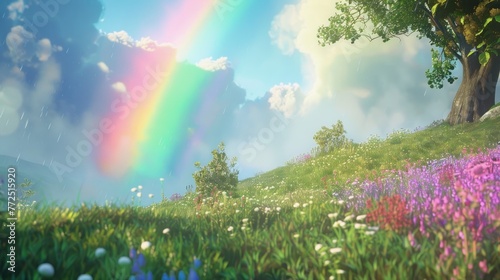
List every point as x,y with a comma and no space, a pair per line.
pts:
133,253
192,275
136,269
141,260
197,263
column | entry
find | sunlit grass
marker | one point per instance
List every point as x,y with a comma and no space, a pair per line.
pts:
298,221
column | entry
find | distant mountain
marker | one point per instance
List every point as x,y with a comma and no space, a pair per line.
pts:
47,187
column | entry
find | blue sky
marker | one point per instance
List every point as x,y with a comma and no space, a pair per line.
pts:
278,87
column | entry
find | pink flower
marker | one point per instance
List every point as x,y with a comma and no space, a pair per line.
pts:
483,266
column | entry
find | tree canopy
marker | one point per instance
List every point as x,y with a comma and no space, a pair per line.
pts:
459,30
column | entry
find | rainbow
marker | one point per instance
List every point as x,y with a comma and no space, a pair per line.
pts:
151,132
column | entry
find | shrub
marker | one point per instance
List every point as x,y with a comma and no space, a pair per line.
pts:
331,138
219,173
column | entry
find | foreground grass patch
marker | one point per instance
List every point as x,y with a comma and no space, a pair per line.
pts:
426,219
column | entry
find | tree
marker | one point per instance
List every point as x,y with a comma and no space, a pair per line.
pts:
219,173
463,30
331,138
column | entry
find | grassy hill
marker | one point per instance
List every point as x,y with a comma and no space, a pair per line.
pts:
412,206
369,159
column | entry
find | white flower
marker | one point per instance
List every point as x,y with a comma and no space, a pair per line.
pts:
256,209
133,189
373,228
207,212
335,250
331,277
99,252
359,226
150,195
46,270
139,187
84,277
296,235
221,204
278,209
333,215
267,209
327,262
145,245
230,228
296,205
234,204
304,205
243,228
360,217
340,202
348,218
124,261
339,224
166,231
369,232
162,179
139,194
224,193
237,211
318,247
351,197
302,213
340,271
245,220
334,241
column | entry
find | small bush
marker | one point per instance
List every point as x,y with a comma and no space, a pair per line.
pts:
219,173
332,138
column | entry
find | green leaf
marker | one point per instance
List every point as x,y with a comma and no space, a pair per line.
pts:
488,20
497,18
484,58
434,8
471,53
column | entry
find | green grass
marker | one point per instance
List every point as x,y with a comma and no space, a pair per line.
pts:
288,234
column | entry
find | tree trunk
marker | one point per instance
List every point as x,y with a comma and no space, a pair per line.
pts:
476,94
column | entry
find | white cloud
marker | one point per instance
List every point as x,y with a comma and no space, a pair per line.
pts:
119,87
104,68
121,37
285,27
46,85
295,29
44,49
15,9
20,44
284,98
11,99
209,64
145,43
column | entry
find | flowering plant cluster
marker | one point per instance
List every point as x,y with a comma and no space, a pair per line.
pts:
390,213
139,261
454,200
176,197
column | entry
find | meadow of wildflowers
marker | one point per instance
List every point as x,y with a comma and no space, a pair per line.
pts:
408,212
